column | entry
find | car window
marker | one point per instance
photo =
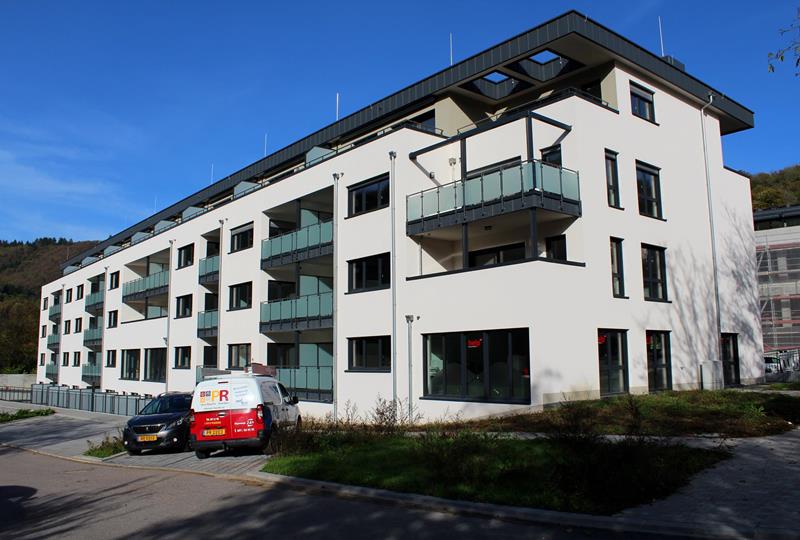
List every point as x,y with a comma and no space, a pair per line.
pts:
167,404
284,393
179,403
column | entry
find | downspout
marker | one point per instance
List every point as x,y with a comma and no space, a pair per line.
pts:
334,303
220,296
393,277
712,231
169,313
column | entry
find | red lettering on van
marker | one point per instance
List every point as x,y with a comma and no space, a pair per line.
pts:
223,395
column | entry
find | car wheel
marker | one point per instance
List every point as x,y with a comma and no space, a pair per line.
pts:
202,454
134,452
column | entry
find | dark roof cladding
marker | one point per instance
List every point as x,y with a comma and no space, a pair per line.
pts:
520,46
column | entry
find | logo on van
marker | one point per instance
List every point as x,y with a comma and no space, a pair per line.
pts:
213,396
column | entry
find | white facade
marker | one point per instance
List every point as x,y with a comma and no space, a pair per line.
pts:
561,304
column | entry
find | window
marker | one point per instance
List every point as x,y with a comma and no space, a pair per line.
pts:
238,356
659,368
282,355
654,273
183,306
280,290
41,359
113,280
129,370
556,247
44,330
210,356
370,195
612,179
112,319
76,359
730,359
552,155
186,256
68,299
44,303
642,102
111,358
65,359
649,188
497,255
54,329
67,327
78,292
242,237
241,296
613,356
370,273
370,353
155,364
183,357
617,271
78,325
491,365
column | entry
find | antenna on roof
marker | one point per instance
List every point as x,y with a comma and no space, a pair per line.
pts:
451,48
661,35
337,106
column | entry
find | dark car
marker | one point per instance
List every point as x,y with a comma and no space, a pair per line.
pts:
162,424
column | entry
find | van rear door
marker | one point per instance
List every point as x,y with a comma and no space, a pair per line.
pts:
245,398
211,404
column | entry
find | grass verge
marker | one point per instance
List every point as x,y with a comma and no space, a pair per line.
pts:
110,445
728,413
785,386
575,474
24,413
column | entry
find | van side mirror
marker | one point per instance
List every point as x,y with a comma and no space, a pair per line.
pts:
294,400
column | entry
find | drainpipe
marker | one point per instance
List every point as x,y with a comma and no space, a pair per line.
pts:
103,336
393,276
410,323
334,302
169,313
220,296
712,231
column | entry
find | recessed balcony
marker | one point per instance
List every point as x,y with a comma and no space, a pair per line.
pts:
208,269
502,190
93,338
53,341
54,313
51,372
94,302
207,324
152,285
302,313
90,374
306,243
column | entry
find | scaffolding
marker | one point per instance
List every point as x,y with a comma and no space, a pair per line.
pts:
778,262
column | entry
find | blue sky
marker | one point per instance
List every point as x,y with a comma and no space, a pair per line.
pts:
111,109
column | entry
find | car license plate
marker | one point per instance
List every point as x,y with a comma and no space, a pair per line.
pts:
213,432
148,438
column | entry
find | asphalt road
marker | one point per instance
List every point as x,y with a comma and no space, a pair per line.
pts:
42,496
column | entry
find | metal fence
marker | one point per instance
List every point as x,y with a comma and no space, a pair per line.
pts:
15,393
87,399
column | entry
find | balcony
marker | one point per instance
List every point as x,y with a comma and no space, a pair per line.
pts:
502,190
303,313
152,285
94,302
207,324
54,313
208,270
51,372
90,374
308,383
306,243
53,341
93,337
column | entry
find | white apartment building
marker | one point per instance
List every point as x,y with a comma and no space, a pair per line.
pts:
549,219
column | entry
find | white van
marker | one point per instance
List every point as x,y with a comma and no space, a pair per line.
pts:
239,410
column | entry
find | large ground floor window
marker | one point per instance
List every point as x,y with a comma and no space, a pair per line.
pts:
489,365
129,367
612,348
238,355
155,364
659,364
730,359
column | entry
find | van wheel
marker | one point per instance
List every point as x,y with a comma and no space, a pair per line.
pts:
298,424
270,446
202,454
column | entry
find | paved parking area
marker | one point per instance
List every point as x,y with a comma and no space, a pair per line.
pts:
219,462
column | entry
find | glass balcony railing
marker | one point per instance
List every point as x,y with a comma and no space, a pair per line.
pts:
494,186
95,299
54,311
51,372
148,283
90,371
313,306
308,237
92,334
207,320
53,339
209,265
310,383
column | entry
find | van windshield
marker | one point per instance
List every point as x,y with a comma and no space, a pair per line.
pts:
168,404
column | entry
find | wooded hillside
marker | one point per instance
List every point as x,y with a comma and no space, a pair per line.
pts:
778,188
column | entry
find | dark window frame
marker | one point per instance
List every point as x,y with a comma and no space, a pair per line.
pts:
113,280
729,341
242,237
648,280
111,358
357,195
68,297
236,287
181,305
618,273
185,260
604,340
79,292
65,359
652,366
551,151
41,359
113,318
501,251
384,353
67,327
642,95
76,359
44,331
352,268
45,303
160,374
644,198
125,362
237,346
183,357
612,179
78,326
554,244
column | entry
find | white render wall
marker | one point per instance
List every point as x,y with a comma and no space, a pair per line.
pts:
562,305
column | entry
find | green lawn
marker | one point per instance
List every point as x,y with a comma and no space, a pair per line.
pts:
24,413
785,386
109,446
728,413
577,475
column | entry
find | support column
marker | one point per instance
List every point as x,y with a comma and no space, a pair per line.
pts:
464,245
533,234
